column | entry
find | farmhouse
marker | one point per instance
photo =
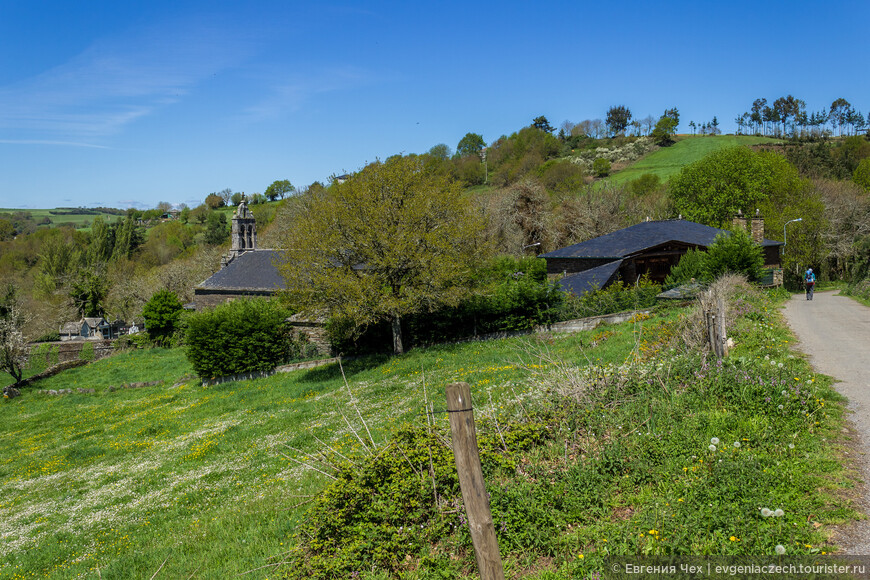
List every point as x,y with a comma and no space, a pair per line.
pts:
651,248
92,328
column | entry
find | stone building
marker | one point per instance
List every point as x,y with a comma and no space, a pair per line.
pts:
245,271
248,271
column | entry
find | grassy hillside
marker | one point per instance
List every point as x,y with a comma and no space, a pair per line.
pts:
198,480
123,480
669,160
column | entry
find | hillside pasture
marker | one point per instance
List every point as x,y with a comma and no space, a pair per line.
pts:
667,161
60,216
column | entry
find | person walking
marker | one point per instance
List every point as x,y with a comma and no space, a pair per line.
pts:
810,281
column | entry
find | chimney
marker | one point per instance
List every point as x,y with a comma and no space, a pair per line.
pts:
738,221
756,228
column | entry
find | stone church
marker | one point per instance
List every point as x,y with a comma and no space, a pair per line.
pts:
245,271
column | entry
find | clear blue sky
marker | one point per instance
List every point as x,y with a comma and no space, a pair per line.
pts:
131,103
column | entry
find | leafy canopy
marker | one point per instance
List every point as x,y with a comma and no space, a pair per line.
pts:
392,240
712,190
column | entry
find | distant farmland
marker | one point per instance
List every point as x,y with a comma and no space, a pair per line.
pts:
77,216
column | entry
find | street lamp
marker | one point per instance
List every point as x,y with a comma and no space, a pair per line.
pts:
530,246
783,229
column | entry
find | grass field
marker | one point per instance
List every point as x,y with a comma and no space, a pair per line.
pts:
78,219
198,480
123,480
669,160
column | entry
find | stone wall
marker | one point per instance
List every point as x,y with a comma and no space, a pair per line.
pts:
210,298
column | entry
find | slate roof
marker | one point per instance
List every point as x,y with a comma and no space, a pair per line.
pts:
251,270
589,280
640,236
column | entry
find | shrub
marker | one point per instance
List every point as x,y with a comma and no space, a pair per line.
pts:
238,337
645,184
601,167
87,352
691,265
161,314
735,252
617,297
861,176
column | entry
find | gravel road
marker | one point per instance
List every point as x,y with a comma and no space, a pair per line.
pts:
834,331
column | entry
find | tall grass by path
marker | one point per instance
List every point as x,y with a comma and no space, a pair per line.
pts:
667,161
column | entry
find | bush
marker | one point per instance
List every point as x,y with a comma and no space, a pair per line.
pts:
601,167
239,337
862,174
161,314
735,253
691,265
617,297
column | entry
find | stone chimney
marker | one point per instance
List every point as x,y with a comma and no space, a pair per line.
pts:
738,221
756,228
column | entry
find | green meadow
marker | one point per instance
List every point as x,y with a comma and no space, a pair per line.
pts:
214,482
667,161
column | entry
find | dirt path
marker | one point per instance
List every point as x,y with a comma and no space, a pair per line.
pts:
835,332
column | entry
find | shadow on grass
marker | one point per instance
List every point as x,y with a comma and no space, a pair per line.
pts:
332,372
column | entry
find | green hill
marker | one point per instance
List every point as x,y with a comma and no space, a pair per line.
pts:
667,161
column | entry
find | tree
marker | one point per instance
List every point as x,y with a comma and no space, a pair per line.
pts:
392,240
861,176
216,231
617,120
713,189
237,198
214,201
14,352
279,189
440,151
161,314
88,292
666,128
839,110
128,238
471,144
542,123
226,195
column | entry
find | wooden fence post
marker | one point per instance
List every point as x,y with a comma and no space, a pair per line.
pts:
471,482
723,339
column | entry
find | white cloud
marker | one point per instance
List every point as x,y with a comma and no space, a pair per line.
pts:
115,82
289,96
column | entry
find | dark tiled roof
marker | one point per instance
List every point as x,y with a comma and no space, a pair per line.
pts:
640,236
589,280
251,270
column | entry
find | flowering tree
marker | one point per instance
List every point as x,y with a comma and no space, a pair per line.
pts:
14,351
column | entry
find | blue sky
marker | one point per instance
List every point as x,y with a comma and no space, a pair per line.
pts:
126,104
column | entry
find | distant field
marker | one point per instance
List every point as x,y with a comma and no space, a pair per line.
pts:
79,219
669,160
